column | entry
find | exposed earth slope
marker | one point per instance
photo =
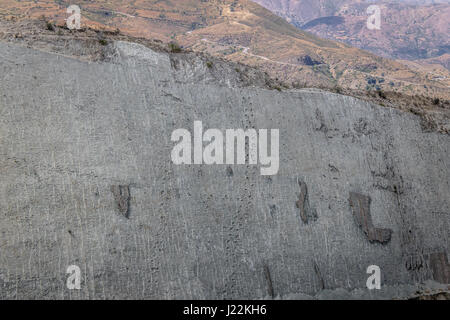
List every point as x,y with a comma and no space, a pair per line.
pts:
245,32
409,30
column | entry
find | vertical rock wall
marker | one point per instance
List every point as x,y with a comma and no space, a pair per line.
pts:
87,180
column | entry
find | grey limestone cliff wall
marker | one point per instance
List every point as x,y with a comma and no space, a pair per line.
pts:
87,180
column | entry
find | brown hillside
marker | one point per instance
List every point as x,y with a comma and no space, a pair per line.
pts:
240,30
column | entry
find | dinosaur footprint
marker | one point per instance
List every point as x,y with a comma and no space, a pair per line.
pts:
360,205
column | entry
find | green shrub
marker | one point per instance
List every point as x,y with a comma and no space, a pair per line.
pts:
174,47
50,26
381,94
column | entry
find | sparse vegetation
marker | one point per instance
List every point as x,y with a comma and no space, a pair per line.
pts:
324,69
436,101
50,26
195,25
209,64
103,42
371,80
174,47
381,94
298,85
277,88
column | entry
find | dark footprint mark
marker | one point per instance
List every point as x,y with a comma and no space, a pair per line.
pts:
440,267
122,198
360,205
306,212
268,277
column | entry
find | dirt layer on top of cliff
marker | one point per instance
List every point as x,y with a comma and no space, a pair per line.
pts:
89,44
93,45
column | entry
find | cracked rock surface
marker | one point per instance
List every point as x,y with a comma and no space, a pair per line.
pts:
70,129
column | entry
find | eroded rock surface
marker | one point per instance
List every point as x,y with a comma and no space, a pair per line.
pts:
71,129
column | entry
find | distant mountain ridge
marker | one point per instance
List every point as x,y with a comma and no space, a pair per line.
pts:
411,30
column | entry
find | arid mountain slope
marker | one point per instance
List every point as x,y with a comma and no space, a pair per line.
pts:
408,30
243,31
300,12
303,11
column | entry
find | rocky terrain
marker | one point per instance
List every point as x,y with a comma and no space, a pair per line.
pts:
87,180
434,112
243,31
411,30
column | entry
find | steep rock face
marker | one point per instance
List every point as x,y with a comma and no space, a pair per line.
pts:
87,180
